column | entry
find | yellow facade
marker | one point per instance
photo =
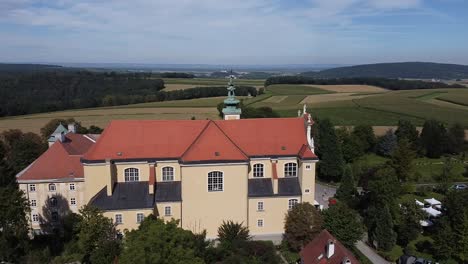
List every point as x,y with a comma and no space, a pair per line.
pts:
129,218
174,212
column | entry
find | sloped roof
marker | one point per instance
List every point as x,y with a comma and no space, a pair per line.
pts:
199,140
59,130
60,161
311,253
125,195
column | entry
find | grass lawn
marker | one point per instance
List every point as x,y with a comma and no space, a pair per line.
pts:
392,255
295,89
430,169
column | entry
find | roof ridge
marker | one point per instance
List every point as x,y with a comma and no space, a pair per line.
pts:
195,140
230,139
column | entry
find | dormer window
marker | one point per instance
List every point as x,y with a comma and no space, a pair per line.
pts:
167,173
258,170
132,174
290,169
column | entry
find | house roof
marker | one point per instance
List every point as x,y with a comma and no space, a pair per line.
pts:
199,140
315,251
168,191
264,187
125,195
59,130
60,161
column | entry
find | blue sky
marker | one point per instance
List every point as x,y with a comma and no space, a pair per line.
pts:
234,32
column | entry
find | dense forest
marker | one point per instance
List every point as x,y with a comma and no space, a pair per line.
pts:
391,84
414,70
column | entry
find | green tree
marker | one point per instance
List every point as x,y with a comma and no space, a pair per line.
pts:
383,234
444,244
456,137
347,190
384,188
366,136
21,149
158,242
344,223
403,160
13,223
409,226
231,232
406,130
303,222
351,145
386,144
331,162
434,138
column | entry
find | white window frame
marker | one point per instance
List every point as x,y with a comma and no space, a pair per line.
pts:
73,201
32,187
258,173
118,219
288,169
167,210
54,187
260,206
215,179
71,186
292,203
35,218
132,178
138,220
33,203
164,176
260,220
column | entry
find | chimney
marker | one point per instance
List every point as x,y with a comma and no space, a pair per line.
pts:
110,180
152,178
274,176
72,128
330,249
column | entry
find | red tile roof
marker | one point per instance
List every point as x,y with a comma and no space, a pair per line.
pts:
311,253
61,160
199,140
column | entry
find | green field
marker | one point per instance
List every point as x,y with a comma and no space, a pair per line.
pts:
218,81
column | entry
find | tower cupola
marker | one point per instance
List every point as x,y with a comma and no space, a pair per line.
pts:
231,110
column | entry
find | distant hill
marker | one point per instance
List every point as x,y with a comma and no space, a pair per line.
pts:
413,70
22,67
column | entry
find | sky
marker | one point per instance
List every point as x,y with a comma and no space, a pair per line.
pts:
234,32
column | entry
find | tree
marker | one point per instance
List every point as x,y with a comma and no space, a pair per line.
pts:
351,145
303,222
444,244
344,223
456,137
383,233
402,160
386,144
366,136
331,162
434,138
158,242
409,226
406,130
347,190
13,223
230,232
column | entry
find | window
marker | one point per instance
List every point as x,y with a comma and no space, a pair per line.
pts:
308,167
132,174
258,170
292,203
307,190
259,222
52,187
32,187
53,201
215,181
167,211
55,216
72,186
167,174
140,217
118,219
35,218
259,206
33,203
72,201
290,170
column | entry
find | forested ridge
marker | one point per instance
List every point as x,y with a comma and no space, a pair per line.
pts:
391,84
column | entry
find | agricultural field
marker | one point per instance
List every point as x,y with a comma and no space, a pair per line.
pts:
217,82
351,88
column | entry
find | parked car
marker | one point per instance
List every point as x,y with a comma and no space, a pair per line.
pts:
460,186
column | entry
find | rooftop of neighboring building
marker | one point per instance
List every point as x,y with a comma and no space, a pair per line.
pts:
326,249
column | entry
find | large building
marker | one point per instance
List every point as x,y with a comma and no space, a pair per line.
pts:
201,172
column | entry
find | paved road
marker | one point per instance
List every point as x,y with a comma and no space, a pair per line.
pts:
370,253
323,193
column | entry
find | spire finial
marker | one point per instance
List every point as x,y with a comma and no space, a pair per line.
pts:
305,109
299,113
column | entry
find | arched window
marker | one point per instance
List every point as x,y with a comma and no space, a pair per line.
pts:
167,173
258,170
290,170
52,187
215,181
132,174
292,203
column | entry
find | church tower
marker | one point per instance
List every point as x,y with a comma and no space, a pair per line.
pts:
230,110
